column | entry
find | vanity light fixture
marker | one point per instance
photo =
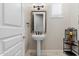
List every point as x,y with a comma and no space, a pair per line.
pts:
38,7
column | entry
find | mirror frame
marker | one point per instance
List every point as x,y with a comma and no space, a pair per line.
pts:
32,22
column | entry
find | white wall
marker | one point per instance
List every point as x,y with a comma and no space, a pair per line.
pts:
74,16
55,32
26,9
55,25
30,43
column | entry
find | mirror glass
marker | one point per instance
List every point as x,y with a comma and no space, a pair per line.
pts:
38,23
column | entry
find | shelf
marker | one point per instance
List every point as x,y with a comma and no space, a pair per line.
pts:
69,53
75,52
71,44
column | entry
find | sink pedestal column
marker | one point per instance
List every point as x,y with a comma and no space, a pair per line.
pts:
38,47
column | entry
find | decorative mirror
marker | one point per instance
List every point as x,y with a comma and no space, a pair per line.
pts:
38,22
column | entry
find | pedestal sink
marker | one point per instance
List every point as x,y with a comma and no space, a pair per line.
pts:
38,38
38,28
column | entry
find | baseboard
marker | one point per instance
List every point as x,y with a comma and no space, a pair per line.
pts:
31,53
46,53
52,53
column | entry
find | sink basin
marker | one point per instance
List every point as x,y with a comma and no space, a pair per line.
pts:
38,37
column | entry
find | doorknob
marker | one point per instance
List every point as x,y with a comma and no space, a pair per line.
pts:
27,23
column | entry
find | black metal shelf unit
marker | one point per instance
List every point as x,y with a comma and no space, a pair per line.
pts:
73,46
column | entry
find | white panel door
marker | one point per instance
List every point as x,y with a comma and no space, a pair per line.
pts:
11,29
